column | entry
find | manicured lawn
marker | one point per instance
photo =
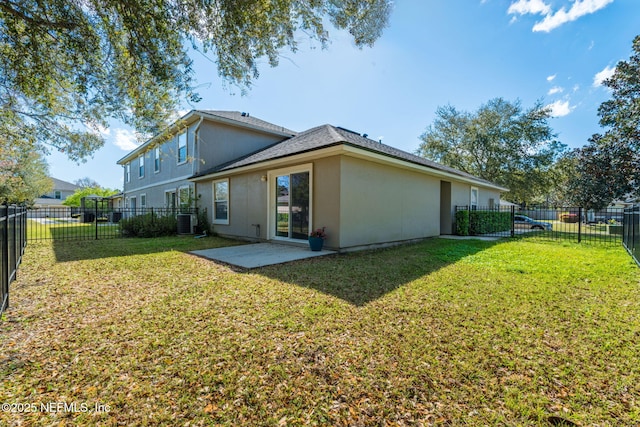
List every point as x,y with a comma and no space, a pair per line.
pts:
440,333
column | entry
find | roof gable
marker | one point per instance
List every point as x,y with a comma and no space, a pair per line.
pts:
233,118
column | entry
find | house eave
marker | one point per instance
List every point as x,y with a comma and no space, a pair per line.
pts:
344,148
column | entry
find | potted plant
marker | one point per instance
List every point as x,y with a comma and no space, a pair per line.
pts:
316,239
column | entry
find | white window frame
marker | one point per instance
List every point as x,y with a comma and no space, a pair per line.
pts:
174,198
141,166
474,205
57,195
179,195
186,149
271,200
127,172
156,159
226,200
143,200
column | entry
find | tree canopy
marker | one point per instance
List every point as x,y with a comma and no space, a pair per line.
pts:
608,167
74,199
68,66
500,142
23,175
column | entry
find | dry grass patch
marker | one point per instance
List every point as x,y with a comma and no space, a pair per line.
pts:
439,333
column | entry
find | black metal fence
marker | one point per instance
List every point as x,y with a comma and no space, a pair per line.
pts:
66,223
549,223
631,233
13,240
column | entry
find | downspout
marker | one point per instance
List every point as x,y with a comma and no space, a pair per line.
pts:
196,147
196,162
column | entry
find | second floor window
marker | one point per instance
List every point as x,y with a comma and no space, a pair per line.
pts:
127,172
141,166
182,147
156,156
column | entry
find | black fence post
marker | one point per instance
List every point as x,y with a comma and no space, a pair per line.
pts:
6,270
579,225
513,220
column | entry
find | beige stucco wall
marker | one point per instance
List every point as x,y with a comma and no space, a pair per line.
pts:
326,199
381,204
359,202
247,205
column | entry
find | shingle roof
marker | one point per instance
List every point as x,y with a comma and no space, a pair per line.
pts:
326,136
248,119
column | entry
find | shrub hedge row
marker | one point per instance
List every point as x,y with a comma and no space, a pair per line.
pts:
149,225
472,223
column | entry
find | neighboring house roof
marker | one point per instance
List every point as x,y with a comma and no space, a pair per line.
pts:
60,185
233,118
327,136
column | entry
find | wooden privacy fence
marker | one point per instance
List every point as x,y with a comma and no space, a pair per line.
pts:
13,240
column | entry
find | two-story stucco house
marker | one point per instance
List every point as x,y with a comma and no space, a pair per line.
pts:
156,174
265,182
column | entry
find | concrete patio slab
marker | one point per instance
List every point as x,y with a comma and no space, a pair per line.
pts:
259,254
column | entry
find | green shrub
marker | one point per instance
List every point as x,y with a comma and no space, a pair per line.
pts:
149,225
486,222
462,223
482,222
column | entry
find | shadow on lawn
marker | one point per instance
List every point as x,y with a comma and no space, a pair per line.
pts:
362,277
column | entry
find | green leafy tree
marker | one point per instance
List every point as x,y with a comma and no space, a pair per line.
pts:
23,175
68,66
75,198
609,165
604,168
501,142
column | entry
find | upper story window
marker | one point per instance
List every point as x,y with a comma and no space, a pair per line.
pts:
156,157
141,166
182,147
57,195
127,172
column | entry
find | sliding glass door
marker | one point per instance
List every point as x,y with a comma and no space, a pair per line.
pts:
292,211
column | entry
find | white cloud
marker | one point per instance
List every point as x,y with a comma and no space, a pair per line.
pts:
554,90
534,7
125,139
603,75
578,9
560,108
550,78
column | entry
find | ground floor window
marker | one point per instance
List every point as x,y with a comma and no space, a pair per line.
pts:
221,201
170,199
474,198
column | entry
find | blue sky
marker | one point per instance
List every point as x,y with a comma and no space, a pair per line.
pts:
434,53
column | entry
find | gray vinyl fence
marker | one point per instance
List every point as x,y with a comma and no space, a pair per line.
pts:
13,240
